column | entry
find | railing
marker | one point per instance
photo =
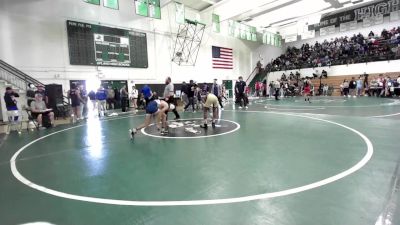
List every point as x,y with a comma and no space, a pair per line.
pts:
9,78
252,75
20,79
16,77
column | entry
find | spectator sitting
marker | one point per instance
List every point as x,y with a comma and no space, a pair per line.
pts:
343,50
325,89
41,90
44,116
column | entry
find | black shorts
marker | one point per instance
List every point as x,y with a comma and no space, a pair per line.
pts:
110,101
35,115
75,104
152,107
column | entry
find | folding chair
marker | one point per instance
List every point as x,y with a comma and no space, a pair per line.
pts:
14,120
31,120
62,108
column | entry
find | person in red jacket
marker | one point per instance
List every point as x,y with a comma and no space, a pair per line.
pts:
307,90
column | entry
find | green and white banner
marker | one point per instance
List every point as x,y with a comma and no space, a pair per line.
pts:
242,31
216,23
95,2
179,13
112,4
272,39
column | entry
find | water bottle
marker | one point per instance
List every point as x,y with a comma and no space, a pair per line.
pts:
73,119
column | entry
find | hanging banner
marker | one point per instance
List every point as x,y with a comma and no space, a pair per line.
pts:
291,38
308,35
253,31
231,28
394,16
216,23
154,8
149,8
179,13
381,8
94,2
112,4
141,7
268,38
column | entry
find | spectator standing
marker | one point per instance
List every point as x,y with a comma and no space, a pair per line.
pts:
184,93
271,89
345,85
191,95
366,85
359,86
84,99
124,98
224,92
110,98
257,87
307,91
117,98
92,97
217,91
101,96
75,96
11,103
205,89
134,98
277,87
352,87
197,97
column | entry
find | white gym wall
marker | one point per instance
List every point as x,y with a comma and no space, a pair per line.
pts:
33,38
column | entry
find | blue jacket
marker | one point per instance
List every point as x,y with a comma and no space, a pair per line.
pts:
146,91
101,95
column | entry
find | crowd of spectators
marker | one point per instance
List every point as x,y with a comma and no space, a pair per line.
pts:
339,51
380,86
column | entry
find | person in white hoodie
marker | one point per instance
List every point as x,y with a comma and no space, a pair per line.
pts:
134,97
359,86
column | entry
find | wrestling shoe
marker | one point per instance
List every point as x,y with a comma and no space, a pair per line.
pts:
132,132
205,126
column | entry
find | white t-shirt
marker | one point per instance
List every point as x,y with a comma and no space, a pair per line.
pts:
169,90
398,80
134,93
39,106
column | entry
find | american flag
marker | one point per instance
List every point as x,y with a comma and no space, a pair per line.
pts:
222,58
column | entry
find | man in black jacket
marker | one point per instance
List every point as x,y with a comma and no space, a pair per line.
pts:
239,89
184,93
11,102
352,87
190,95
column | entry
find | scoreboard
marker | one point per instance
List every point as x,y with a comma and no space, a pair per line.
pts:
96,45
